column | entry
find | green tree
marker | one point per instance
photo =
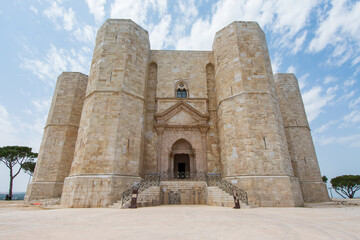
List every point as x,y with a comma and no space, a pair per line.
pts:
325,179
14,157
346,185
29,168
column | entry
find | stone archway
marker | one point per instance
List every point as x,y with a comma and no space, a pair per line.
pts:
182,159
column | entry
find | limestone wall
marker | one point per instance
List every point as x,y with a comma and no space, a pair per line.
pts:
212,137
60,133
183,192
110,141
151,138
301,147
186,66
252,139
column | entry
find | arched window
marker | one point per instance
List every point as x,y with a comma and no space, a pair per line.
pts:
181,91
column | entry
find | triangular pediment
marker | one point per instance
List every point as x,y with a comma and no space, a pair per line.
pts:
182,117
181,113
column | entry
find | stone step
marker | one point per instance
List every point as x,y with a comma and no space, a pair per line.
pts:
214,196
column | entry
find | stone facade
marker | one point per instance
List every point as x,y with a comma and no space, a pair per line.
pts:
167,112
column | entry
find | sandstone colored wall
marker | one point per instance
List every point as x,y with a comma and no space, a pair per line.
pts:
109,148
151,137
301,147
60,134
252,139
187,66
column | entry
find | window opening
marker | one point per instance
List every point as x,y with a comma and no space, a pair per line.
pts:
181,93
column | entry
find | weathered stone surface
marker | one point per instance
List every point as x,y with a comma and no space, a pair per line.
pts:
164,112
252,139
60,134
301,147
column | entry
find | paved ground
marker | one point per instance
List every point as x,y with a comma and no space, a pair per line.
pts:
180,222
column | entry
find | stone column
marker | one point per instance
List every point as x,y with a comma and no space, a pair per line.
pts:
298,134
58,143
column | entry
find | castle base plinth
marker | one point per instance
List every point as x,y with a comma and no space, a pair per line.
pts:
270,191
43,190
314,192
95,190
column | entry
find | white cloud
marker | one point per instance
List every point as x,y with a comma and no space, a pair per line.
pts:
276,63
354,103
135,10
42,105
355,61
315,101
299,43
57,13
352,140
159,32
332,90
138,10
325,127
85,34
7,130
353,117
32,8
302,80
96,8
340,29
56,61
14,131
291,69
69,19
270,14
349,83
188,10
329,79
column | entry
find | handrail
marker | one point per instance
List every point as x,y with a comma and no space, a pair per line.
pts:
183,176
216,180
149,181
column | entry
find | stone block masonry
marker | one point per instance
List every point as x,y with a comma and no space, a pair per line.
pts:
58,144
177,113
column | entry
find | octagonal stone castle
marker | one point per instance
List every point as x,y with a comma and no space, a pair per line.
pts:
181,118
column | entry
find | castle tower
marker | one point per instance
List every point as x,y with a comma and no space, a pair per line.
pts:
253,145
301,147
60,133
109,148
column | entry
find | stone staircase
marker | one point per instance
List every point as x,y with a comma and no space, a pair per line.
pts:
147,198
182,192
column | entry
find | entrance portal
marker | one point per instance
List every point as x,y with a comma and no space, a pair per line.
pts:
181,165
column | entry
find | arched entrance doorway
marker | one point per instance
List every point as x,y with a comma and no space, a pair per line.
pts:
182,159
181,165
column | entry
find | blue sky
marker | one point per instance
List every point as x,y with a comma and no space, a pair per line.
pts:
319,41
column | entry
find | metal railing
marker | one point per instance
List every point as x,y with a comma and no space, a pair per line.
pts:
183,176
211,180
149,181
216,180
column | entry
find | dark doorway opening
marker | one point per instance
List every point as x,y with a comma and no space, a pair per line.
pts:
181,166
